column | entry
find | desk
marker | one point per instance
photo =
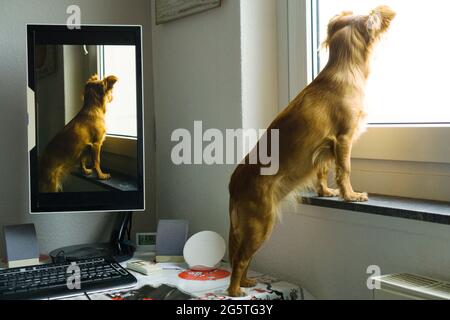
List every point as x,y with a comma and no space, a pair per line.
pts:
268,287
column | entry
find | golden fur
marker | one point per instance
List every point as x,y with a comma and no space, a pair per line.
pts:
79,140
316,129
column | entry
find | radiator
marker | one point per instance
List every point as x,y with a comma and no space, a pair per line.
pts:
410,287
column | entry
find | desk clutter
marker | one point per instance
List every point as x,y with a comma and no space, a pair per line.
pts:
168,285
210,275
162,292
21,245
197,273
144,267
170,240
201,276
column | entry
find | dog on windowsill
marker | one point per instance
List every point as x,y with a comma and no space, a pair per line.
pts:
318,128
80,140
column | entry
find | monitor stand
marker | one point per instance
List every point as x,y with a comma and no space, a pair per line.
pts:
117,247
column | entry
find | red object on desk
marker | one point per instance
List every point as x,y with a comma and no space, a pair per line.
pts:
211,275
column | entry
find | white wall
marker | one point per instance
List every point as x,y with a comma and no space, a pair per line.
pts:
197,77
221,69
63,229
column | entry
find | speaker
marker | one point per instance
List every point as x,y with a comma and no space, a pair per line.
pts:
21,245
171,237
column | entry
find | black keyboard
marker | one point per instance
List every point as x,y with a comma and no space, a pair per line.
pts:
59,280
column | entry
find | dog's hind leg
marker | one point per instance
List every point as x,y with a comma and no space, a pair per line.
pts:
253,233
233,243
50,183
49,179
245,281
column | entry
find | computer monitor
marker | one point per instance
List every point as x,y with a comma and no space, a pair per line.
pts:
85,125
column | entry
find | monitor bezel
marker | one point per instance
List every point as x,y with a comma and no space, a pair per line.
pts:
74,202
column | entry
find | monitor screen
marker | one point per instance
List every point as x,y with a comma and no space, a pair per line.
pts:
85,107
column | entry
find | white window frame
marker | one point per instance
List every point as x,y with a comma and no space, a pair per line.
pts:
399,160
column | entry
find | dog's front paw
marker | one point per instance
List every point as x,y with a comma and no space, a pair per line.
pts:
104,176
87,172
328,193
356,197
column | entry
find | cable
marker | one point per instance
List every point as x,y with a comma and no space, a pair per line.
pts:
130,225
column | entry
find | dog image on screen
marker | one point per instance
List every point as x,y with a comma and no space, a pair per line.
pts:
80,140
317,129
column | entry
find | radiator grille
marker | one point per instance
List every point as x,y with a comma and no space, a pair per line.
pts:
415,286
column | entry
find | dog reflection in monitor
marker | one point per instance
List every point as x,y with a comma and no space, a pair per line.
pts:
80,141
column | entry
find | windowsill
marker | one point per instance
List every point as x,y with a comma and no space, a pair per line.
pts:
120,145
118,182
405,208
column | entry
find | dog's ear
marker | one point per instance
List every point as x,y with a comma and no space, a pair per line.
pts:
109,82
336,23
379,20
93,78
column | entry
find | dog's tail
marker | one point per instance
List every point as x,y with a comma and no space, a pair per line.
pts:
49,177
324,152
233,240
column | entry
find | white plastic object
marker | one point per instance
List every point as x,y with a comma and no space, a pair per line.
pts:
204,251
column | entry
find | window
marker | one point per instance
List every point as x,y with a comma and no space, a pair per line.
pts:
405,151
121,116
121,62
409,75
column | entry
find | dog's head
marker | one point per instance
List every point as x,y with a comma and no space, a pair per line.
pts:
363,31
99,91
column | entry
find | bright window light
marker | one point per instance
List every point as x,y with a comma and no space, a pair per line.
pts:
121,112
409,79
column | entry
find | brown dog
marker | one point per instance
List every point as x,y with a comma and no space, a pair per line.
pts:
80,139
315,130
